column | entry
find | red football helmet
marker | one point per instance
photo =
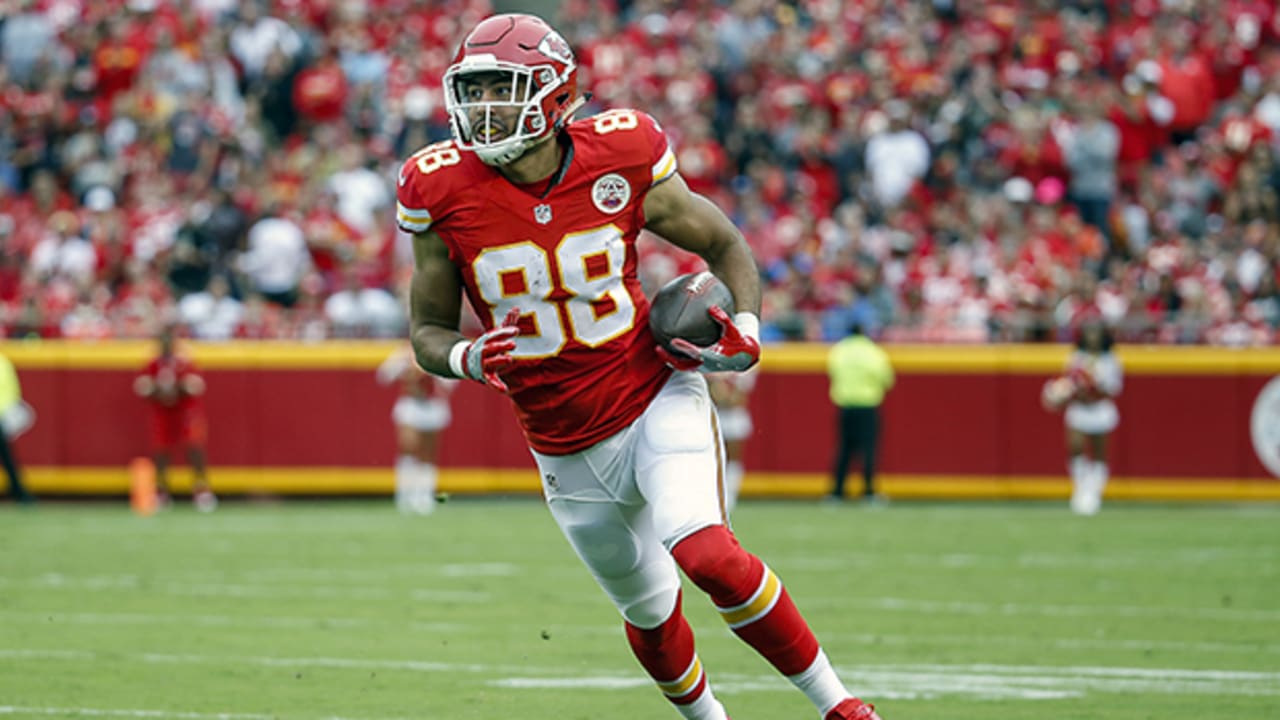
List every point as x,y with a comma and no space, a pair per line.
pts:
544,85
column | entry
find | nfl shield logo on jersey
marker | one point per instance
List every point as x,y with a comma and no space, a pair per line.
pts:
611,193
542,213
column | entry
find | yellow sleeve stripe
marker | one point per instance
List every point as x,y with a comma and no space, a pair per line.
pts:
758,606
412,212
411,219
665,167
686,683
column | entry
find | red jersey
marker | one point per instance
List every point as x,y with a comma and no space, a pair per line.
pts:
167,374
585,366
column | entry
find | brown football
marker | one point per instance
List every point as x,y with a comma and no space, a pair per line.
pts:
681,309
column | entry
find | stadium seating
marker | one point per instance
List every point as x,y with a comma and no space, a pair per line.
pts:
951,172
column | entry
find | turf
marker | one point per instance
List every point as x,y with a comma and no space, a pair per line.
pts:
346,610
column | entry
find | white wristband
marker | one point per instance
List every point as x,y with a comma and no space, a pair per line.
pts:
458,357
748,324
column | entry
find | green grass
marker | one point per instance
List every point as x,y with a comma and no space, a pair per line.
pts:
346,610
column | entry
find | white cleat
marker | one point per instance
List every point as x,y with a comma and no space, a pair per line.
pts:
205,501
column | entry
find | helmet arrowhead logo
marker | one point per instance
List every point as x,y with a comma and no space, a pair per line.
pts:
554,46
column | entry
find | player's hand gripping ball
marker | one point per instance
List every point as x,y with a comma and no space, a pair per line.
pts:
681,310
1056,393
690,318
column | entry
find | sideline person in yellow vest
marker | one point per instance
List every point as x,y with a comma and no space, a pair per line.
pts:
860,375
14,418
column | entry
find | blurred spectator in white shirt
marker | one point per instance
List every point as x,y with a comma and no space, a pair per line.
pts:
212,314
255,36
358,311
896,157
1267,111
63,252
219,75
277,259
24,38
361,192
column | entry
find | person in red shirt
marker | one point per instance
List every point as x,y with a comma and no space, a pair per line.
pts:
1187,81
320,91
119,57
534,216
173,387
1033,154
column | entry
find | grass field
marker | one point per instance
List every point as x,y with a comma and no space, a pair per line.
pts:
346,610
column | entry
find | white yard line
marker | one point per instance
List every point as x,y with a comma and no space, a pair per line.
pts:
1093,671
269,590
262,661
1193,557
983,608
28,710
381,572
1249,647
993,682
204,620
830,638
885,681
31,654
57,581
327,662
108,712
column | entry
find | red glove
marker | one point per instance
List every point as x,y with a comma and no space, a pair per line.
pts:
491,352
736,351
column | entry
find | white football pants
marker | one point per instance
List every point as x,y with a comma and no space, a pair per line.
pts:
626,501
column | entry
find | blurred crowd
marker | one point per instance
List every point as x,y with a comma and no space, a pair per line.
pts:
936,171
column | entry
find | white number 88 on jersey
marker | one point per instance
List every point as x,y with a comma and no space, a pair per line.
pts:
590,266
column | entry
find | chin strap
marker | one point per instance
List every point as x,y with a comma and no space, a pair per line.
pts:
574,107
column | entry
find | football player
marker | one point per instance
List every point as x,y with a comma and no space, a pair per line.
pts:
172,384
534,216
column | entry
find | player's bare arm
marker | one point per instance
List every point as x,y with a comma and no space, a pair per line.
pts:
694,223
192,384
435,304
144,386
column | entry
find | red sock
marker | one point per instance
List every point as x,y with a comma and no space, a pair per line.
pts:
750,598
666,653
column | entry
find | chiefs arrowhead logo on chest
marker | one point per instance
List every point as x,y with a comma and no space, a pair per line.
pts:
611,193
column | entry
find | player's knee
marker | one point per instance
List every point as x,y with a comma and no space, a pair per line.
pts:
715,562
610,552
649,615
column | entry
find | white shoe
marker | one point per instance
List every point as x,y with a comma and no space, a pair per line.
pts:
205,501
1086,500
422,503
1079,500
